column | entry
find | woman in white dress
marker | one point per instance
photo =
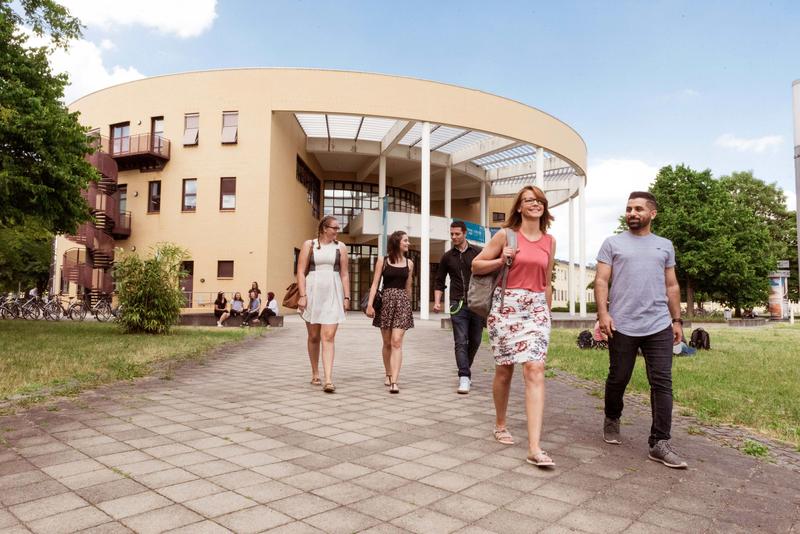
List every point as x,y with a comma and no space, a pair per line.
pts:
323,282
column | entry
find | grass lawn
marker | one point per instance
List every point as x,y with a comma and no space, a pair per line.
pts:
37,355
751,377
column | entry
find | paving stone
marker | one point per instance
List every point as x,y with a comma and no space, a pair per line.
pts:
161,520
310,480
203,527
379,481
109,491
31,492
71,521
72,468
563,492
187,491
268,491
509,522
302,505
383,507
424,520
346,471
133,504
47,506
593,521
411,470
112,527
344,493
167,477
462,507
342,520
491,493
219,504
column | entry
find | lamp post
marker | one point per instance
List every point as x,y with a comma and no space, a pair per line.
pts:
796,106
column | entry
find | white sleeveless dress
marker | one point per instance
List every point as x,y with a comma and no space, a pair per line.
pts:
324,290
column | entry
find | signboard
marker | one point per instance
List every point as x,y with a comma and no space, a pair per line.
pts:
783,264
475,232
780,274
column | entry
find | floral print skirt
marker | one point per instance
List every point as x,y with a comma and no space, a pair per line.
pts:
520,331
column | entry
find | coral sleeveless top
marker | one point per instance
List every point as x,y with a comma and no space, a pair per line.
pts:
529,270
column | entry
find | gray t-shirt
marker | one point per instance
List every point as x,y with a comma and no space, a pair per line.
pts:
638,298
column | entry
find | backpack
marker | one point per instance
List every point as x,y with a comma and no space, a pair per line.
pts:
585,340
482,286
700,339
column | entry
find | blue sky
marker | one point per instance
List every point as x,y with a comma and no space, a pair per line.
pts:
645,83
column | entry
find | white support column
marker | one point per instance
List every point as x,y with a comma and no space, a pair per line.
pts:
540,168
484,187
381,194
796,106
425,224
571,267
448,213
582,246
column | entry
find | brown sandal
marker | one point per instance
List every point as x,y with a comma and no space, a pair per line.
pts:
329,388
316,382
388,381
540,459
394,388
502,435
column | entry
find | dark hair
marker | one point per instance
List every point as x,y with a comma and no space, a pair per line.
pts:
459,224
393,246
220,298
321,228
254,284
514,219
270,296
240,296
649,197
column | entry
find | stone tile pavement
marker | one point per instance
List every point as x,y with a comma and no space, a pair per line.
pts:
245,444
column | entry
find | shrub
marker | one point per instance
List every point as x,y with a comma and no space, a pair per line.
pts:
149,290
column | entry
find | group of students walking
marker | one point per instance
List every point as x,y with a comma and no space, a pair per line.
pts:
642,311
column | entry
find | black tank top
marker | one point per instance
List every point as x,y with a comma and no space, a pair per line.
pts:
395,277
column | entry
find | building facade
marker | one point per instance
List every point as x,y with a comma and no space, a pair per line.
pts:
237,167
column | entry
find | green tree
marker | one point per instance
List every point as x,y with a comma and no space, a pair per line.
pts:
692,207
42,144
768,203
25,255
149,290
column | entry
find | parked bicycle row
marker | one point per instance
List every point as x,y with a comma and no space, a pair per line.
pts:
55,308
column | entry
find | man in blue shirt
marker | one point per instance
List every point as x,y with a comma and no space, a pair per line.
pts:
642,312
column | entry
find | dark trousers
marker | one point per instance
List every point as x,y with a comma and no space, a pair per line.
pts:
265,315
467,334
249,316
657,350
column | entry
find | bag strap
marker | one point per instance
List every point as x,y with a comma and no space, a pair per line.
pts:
511,241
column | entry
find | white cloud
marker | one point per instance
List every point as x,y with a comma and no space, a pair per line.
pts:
758,145
607,188
83,62
690,92
107,44
183,18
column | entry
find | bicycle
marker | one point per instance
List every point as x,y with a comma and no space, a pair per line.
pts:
76,310
53,310
101,310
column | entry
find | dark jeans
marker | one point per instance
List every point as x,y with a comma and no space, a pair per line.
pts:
467,333
657,350
249,316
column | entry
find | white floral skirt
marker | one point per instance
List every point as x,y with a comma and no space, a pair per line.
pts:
520,332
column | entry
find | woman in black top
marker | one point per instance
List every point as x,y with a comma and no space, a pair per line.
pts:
395,316
221,308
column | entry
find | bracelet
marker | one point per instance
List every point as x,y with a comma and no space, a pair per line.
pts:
347,298
678,320
301,297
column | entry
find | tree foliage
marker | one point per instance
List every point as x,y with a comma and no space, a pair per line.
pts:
25,254
149,290
722,246
42,144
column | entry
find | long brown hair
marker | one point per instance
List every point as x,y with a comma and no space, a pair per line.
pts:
514,219
393,246
321,228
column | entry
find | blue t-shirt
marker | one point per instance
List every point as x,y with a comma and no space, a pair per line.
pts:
638,297
255,304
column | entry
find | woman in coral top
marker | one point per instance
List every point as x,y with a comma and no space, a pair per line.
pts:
520,331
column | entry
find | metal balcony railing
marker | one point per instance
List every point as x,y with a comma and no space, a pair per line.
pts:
143,151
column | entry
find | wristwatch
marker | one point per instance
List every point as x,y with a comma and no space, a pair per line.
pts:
678,320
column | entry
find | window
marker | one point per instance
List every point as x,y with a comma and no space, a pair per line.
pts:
225,269
191,128
157,142
346,200
312,184
122,199
227,194
154,197
230,127
189,195
120,138
498,216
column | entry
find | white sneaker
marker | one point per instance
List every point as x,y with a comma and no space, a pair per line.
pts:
463,385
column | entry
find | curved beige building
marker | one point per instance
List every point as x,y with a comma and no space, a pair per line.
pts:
237,166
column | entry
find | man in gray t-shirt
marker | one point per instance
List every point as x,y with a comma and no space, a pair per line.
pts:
642,312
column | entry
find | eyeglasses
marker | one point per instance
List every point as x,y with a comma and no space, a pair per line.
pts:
334,228
533,202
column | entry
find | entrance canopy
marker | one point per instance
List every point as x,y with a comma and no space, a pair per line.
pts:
354,143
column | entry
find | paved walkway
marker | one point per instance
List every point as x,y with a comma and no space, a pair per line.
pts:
245,444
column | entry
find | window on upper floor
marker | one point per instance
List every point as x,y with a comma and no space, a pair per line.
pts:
225,269
189,195
154,196
227,194
498,216
230,127
191,129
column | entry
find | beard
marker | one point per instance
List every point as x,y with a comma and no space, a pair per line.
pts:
637,224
